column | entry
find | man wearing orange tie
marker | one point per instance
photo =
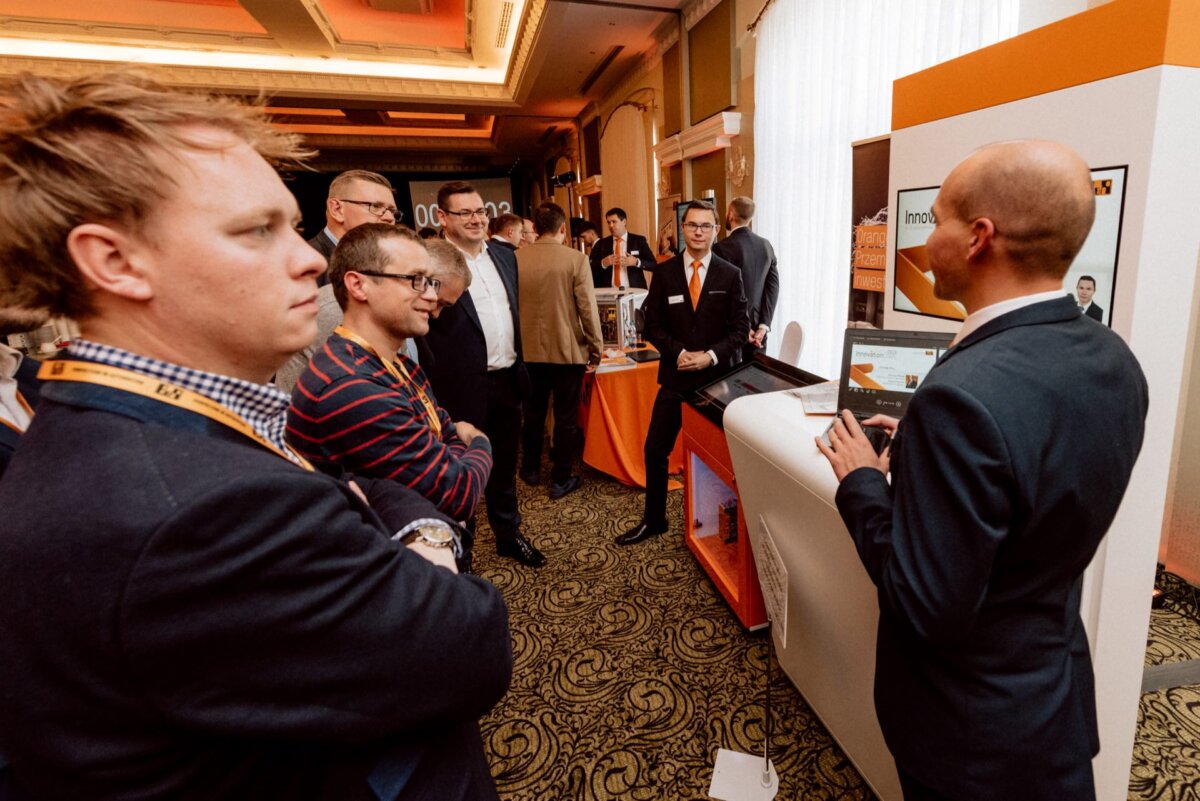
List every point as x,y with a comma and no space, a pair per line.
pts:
696,317
621,259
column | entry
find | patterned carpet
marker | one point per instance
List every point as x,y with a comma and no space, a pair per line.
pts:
1166,753
629,669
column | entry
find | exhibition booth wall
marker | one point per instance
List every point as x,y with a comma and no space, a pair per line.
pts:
1120,84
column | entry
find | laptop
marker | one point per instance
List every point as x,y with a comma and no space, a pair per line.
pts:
882,369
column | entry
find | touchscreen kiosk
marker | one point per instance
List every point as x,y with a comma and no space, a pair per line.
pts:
762,374
882,369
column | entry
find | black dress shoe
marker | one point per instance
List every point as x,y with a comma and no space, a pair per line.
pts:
569,485
519,548
531,477
640,532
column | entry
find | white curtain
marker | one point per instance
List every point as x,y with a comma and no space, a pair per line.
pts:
822,79
625,170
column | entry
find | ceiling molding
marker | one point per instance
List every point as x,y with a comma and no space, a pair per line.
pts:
714,133
157,35
697,10
523,46
250,82
349,142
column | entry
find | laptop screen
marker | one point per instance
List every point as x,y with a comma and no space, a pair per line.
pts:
882,369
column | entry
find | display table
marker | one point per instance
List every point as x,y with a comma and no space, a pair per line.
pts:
825,634
615,415
709,486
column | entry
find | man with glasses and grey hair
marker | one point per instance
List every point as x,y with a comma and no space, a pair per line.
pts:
475,360
362,404
696,318
355,197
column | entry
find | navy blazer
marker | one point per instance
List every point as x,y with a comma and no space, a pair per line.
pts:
183,613
602,276
30,389
755,257
1007,471
718,323
454,353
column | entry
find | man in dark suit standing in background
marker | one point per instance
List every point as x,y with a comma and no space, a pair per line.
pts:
755,257
476,367
355,197
1001,492
621,259
696,318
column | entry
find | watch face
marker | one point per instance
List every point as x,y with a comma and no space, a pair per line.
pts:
435,535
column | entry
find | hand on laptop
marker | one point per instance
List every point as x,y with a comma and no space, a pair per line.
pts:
849,449
889,424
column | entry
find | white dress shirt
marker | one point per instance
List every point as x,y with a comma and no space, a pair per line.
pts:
988,313
687,273
491,304
11,409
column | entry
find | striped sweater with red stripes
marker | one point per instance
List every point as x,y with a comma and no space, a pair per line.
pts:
348,409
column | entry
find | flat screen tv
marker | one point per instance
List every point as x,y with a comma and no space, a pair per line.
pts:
1090,279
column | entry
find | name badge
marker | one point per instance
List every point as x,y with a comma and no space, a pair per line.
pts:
633,253
675,299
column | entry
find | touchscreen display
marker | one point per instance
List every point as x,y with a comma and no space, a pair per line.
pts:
750,380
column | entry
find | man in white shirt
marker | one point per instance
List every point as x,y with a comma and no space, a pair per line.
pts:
1085,289
475,360
621,259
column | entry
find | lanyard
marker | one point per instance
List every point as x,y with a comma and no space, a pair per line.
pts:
28,410
397,370
163,392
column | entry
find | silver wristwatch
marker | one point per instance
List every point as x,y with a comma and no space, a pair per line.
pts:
433,536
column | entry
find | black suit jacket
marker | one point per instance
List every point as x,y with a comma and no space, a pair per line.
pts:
602,276
1095,312
755,257
454,353
323,245
718,323
30,388
184,614
1001,492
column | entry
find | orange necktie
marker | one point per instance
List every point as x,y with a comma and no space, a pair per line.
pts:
694,284
617,262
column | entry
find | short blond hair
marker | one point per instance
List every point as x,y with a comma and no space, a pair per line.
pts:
98,149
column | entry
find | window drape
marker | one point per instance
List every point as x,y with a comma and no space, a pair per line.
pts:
823,79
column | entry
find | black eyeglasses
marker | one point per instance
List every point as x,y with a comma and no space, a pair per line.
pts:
705,227
375,208
467,214
419,282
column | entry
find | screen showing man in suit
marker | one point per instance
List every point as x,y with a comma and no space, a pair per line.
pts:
1085,290
696,317
621,259
1000,494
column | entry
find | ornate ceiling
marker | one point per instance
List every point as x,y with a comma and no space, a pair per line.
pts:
393,84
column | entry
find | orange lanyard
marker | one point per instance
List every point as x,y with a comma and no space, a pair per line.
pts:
28,410
397,371
163,392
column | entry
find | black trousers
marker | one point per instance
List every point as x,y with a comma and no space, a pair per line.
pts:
564,382
665,421
503,428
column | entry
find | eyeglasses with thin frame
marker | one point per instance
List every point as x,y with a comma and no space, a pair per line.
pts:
467,214
376,208
705,227
419,282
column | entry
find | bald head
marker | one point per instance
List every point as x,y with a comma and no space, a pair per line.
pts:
1038,196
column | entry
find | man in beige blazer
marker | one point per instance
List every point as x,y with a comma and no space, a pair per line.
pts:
560,328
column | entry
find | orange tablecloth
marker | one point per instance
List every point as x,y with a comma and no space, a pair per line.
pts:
615,415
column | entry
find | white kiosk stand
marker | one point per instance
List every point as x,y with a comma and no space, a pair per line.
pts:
1120,84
